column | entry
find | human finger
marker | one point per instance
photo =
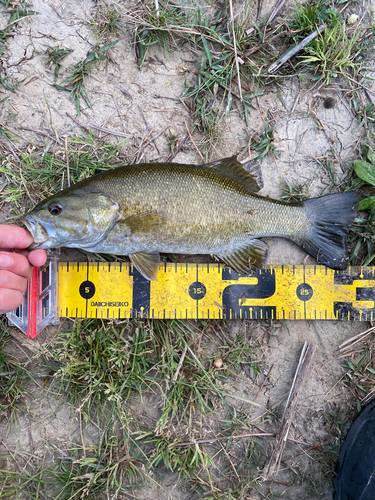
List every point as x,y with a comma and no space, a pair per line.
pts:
12,281
37,257
16,263
14,237
9,300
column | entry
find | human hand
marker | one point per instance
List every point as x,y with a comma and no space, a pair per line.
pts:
16,265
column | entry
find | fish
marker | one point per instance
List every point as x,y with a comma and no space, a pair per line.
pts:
143,210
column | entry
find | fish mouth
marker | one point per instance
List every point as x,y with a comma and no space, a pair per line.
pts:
37,230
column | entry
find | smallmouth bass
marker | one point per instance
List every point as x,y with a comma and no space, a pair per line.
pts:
144,209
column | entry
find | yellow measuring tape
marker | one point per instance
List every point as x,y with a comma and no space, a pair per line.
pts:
214,291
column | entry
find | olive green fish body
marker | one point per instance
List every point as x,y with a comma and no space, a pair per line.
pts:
142,210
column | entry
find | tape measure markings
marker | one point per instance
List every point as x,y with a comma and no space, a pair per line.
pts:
213,291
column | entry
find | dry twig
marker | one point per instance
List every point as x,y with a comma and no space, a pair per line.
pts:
235,48
192,140
302,371
40,132
348,344
177,150
283,59
67,162
174,378
109,131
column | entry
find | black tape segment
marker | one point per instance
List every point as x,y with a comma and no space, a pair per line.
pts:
345,310
141,295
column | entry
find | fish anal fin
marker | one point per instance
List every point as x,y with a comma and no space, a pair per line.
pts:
248,174
147,264
246,258
145,222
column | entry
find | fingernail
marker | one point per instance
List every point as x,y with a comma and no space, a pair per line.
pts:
5,260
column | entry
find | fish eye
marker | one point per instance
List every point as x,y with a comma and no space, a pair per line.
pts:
55,208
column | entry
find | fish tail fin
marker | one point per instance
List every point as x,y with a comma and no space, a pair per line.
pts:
330,217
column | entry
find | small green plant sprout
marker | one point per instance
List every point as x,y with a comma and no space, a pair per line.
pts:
4,34
263,143
294,192
106,22
75,83
8,86
55,56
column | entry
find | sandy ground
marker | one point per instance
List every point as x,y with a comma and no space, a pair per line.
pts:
151,101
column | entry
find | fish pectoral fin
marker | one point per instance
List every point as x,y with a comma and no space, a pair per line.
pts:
144,222
246,258
147,264
248,174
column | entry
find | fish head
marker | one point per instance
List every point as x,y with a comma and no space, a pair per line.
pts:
71,220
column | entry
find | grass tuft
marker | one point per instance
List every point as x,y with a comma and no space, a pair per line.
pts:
75,83
55,56
105,22
263,143
333,53
102,364
186,460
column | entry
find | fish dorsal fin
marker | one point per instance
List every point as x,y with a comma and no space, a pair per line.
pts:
147,264
246,258
144,222
248,174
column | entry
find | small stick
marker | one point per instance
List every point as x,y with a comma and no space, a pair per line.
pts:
213,440
156,136
337,156
157,8
235,48
174,378
274,13
259,9
12,150
311,448
192,140
264,381
259,46
40,132
84,127
283,59
118,112
78,123
109,131
354,340
10,102
67,162
276,10
177,150
303,367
